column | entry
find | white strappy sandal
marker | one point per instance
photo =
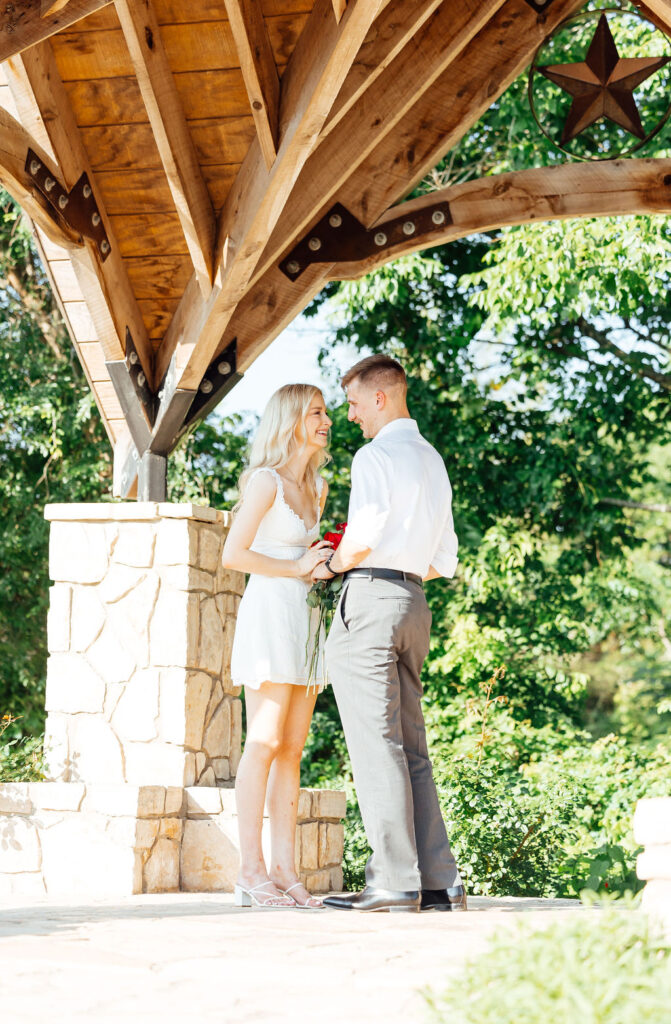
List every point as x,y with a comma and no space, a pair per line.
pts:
313,902
246,898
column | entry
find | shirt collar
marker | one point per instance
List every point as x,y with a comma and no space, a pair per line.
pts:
396,426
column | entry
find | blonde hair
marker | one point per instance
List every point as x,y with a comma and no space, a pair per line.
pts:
275,441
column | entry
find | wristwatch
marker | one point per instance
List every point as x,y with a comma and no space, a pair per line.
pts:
327,563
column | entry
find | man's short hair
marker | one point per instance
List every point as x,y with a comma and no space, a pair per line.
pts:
377,371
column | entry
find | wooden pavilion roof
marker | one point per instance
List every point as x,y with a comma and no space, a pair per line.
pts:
241,153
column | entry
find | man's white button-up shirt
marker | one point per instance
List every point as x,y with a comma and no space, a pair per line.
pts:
401,503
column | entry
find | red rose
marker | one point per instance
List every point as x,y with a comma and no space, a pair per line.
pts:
335,538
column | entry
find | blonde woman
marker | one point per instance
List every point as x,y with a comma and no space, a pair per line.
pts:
282,497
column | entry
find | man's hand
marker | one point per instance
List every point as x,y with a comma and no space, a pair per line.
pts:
320,572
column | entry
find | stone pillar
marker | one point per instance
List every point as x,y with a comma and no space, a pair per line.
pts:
140,628
652,829
144,726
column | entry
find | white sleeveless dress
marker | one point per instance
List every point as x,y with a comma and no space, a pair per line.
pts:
274,620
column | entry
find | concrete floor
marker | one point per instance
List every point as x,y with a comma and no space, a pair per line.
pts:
196,957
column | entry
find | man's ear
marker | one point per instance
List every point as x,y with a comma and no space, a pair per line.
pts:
380,399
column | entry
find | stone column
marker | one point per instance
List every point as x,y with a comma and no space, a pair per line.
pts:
652,829
140,628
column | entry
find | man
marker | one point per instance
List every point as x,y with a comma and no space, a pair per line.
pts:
399,533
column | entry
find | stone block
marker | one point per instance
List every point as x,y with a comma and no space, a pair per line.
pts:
136,714
186,510
118,582
336,880
189,768
19,845
203,800
329,803
209,551
211,641
171,828
331,844
222,769
146,831
88,618
72,685
58,618
147,762
77,552
101,510
217,738
174,800
95,754
110,656
304,804
309,846
112,801
16,798
317,881
161,871
135,546
131,615
24,884
655,862
56,747
57,796
652,820
176,543
236,735
173,633
201,761
198,692
208,778
151,801
79,857
209,858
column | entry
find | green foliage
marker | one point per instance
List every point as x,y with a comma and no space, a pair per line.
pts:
606,967
21,760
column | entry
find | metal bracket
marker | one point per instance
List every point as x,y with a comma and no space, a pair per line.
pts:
136,398
220,376
78,208
340,238
539,6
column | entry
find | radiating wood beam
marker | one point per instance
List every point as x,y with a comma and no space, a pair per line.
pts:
173,138
339,8
43,105
660,12
258,71
14,144
311,81
24,24
607,189
52,6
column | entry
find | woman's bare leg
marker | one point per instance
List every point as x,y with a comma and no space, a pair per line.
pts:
267,710
283,788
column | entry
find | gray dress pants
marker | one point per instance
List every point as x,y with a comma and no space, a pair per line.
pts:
374,654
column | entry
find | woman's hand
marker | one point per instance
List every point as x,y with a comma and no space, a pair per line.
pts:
313,557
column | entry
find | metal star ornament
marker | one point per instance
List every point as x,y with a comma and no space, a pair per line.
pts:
603,85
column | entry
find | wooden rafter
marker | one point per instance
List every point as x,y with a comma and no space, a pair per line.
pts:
258,71
311,81
339,8
173,138
52,6
43,103
25,24
14,145
608,189
660,12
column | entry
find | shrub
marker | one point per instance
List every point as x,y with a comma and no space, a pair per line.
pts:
21,759
608,967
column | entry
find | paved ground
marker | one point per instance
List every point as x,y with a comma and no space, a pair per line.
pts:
195,957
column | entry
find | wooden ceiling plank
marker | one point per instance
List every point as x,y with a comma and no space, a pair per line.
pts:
436,48
173,139
608,189
24,25
312,80
43,105
14,144
259,71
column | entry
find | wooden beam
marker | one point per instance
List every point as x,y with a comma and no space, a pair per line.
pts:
608,189
52,6
14,144
24,24
313,77
43,105
259,72
659,12
173,138
339,8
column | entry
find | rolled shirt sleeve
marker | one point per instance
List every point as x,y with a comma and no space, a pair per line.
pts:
445,559
370,497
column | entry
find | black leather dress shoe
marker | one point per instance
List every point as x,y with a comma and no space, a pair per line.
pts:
370,899
453,899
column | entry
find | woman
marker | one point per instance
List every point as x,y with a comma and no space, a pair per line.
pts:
282,497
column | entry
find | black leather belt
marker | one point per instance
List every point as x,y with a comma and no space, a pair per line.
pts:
384,574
